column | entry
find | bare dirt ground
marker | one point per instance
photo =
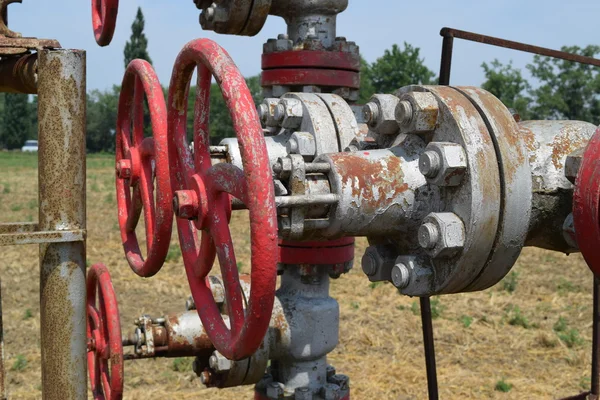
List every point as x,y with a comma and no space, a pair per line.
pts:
527,338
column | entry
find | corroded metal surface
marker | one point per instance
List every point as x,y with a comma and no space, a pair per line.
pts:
3,393
105,350
61,113
10,239
19,74
516,187
140,162
212,186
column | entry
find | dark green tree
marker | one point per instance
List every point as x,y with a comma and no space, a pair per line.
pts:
366,84
397,68
221,126
567,90
102,119
508,84
137,46
17,120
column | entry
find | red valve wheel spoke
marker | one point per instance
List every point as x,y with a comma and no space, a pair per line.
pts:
202,199
105,349
141,161
586,204
104,20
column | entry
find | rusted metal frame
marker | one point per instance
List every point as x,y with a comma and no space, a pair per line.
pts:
3,395
448,35
19,74
62,184
11,239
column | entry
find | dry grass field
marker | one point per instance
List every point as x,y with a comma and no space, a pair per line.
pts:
527,338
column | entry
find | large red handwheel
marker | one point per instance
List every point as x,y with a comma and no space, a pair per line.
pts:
138,160
586,204
202,200
104,20
105,349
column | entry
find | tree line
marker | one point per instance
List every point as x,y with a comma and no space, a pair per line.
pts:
562,90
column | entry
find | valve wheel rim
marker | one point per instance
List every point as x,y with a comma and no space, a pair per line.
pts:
104,20
586,204
105,359
253,186
147,159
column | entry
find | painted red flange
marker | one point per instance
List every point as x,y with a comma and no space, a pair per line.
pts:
586,204
139,160
104,20
311,59
105,349
317,253
202,200
309,76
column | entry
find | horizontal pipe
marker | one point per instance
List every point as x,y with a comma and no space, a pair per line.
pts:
19,74
306,200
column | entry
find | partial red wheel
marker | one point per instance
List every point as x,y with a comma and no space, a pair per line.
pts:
586,204
105,349
202,199
139,160
104,20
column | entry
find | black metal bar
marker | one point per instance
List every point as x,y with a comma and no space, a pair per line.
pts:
595,390
432,386
509,44
446,64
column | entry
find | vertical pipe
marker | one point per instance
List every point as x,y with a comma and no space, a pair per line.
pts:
446,63
596,341
432,386
61,114
3,395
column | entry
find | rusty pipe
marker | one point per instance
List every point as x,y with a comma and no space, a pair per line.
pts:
19,74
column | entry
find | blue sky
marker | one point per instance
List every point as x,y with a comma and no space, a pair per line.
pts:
374,24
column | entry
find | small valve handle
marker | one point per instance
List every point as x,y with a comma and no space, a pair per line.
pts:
586,204
139,160
202,199
105,349
104,20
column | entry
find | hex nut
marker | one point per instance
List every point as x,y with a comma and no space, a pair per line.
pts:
290,111
303,393
302,143
371,261
266,112
383,120
422,114
343,381
450,234
274,390
572,164
330,391
453,164
219,363
283,44
401,275
430,164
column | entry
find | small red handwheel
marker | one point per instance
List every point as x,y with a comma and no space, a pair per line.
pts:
586,204
202,199
105,349
104,20
138,160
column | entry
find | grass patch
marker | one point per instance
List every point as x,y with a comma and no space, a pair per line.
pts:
19,364
509,283
466,321
182,364
564,286
355,305
6,188
374,285
28,314
569,336
436,308
516,318
503,386
174,253
16,207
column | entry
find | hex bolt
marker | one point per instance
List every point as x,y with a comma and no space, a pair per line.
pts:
190,304
430,164
206,377
303,393
263,112
292,146
330,371
124,169
330,391
279,112
400,275
185,204
370,263
371,113
219,362
404,113
282,36
274,390
210,14
428,235
343,381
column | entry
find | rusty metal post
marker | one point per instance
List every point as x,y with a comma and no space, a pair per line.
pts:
62,113
3,395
